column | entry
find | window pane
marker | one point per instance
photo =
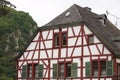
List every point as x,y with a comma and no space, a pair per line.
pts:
90,39
61,70
30,75
36,67
56,40
36,75
95,72
95,68
103,68
36,71
30,71
68,72
103,72
64,39
30,66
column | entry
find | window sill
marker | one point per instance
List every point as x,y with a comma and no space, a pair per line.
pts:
63,78
91,44
68,77
33,78
63,46
98,76
56,47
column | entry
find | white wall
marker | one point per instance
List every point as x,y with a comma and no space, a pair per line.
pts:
74,37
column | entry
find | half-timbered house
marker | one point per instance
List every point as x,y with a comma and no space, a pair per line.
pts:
76,45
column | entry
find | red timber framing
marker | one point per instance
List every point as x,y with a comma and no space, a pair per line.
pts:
69,57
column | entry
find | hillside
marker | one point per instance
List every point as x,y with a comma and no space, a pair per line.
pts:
16,28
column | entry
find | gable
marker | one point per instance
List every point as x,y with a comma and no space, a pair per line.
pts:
75,16
43,43
103,30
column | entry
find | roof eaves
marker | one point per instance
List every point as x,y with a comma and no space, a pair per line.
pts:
62,25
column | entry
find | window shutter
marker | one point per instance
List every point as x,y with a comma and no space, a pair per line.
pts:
40,68
24,72
109,68
74,70
88,69
55,70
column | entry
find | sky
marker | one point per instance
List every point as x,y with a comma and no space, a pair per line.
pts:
43,11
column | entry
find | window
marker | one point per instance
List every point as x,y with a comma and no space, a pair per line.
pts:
96,66
65,70
56,40
61,70
36,71
68,68
32,71
103,68
60,39
64,39
90,39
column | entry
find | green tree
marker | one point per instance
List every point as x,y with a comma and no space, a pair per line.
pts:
3,5
15,30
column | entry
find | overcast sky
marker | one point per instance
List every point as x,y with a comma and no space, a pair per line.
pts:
43,11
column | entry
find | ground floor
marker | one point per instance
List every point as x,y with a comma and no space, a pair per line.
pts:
70,69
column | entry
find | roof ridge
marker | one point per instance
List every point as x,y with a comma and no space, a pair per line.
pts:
77,10
72,14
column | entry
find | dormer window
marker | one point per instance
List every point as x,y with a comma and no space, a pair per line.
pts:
90,39
67,14
115,39
102,19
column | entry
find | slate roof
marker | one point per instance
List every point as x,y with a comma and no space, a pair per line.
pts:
107,33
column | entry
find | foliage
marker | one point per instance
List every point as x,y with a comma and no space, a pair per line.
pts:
3,5
16,28
7,68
